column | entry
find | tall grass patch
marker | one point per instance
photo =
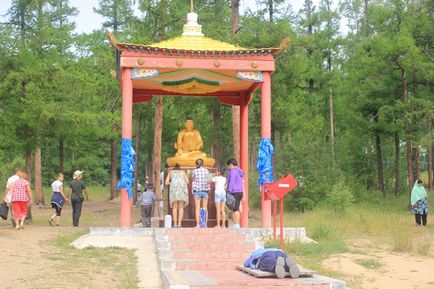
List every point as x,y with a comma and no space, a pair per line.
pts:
402,237
423,246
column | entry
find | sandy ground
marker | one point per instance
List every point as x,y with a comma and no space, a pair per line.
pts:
30,252
398,270
29,258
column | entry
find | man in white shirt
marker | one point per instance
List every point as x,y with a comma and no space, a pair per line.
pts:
9,185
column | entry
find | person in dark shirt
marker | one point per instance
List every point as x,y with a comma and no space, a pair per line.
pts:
77,189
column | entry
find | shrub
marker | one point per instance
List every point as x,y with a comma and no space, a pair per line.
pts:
340,197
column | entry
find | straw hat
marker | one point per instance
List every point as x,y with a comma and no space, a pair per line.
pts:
77,173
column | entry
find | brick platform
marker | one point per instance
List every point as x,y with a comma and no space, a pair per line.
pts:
206,259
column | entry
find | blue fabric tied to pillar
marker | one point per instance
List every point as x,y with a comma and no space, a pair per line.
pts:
264,164
127,166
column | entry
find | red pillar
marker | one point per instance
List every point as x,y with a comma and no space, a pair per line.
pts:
266,133
244,156
127,123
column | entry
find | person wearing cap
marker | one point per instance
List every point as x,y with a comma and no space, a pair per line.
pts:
77,188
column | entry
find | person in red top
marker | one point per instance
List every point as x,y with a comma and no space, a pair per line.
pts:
21,199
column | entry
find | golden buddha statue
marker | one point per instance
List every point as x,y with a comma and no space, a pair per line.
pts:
188,148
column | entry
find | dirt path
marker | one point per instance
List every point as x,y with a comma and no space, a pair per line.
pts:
40,256
373,265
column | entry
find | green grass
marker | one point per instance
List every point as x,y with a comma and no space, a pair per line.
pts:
423,246
117,266
387,224
369,263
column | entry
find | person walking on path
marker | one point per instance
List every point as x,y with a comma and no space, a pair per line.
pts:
21,199
7,196
77,188
235,186
146,200
58,199
220,196
177,181
419,203
200,188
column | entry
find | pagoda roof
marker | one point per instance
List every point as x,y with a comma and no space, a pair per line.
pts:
196,43
192,40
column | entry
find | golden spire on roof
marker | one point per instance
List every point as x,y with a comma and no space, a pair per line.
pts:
191,6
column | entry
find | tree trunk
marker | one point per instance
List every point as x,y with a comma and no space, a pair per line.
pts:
271,10
156,157
114,166
136,158
216,118
235,20
416,162
406,127
379,164
61,154
331,115
236,131
40,200
309,17
27,154
397,167
162,19
235,17
430,157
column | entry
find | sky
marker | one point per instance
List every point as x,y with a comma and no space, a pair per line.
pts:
87,21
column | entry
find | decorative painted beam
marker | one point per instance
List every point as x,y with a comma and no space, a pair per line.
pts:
190,63
149,92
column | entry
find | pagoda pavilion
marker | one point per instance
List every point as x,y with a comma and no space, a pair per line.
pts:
194,65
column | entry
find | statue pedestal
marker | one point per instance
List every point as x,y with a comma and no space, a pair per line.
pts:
189,218
190,162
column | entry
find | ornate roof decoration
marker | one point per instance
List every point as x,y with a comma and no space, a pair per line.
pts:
193,42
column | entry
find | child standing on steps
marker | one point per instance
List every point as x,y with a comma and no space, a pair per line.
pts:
58,199
220,196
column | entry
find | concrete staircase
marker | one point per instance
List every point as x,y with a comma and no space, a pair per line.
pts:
207,258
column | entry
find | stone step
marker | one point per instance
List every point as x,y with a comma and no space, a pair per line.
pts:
281,286
213,246
230,279
205,264
235,255
203,231
191,223
206,238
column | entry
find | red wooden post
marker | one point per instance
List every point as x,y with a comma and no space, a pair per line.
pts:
244,157
281,223
266,133
274,218
127,123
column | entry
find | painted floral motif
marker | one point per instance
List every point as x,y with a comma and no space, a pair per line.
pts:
140,73
255,76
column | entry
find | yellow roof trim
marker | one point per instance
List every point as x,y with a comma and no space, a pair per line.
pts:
196,43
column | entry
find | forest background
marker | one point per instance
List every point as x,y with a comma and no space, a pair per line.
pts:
352,115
